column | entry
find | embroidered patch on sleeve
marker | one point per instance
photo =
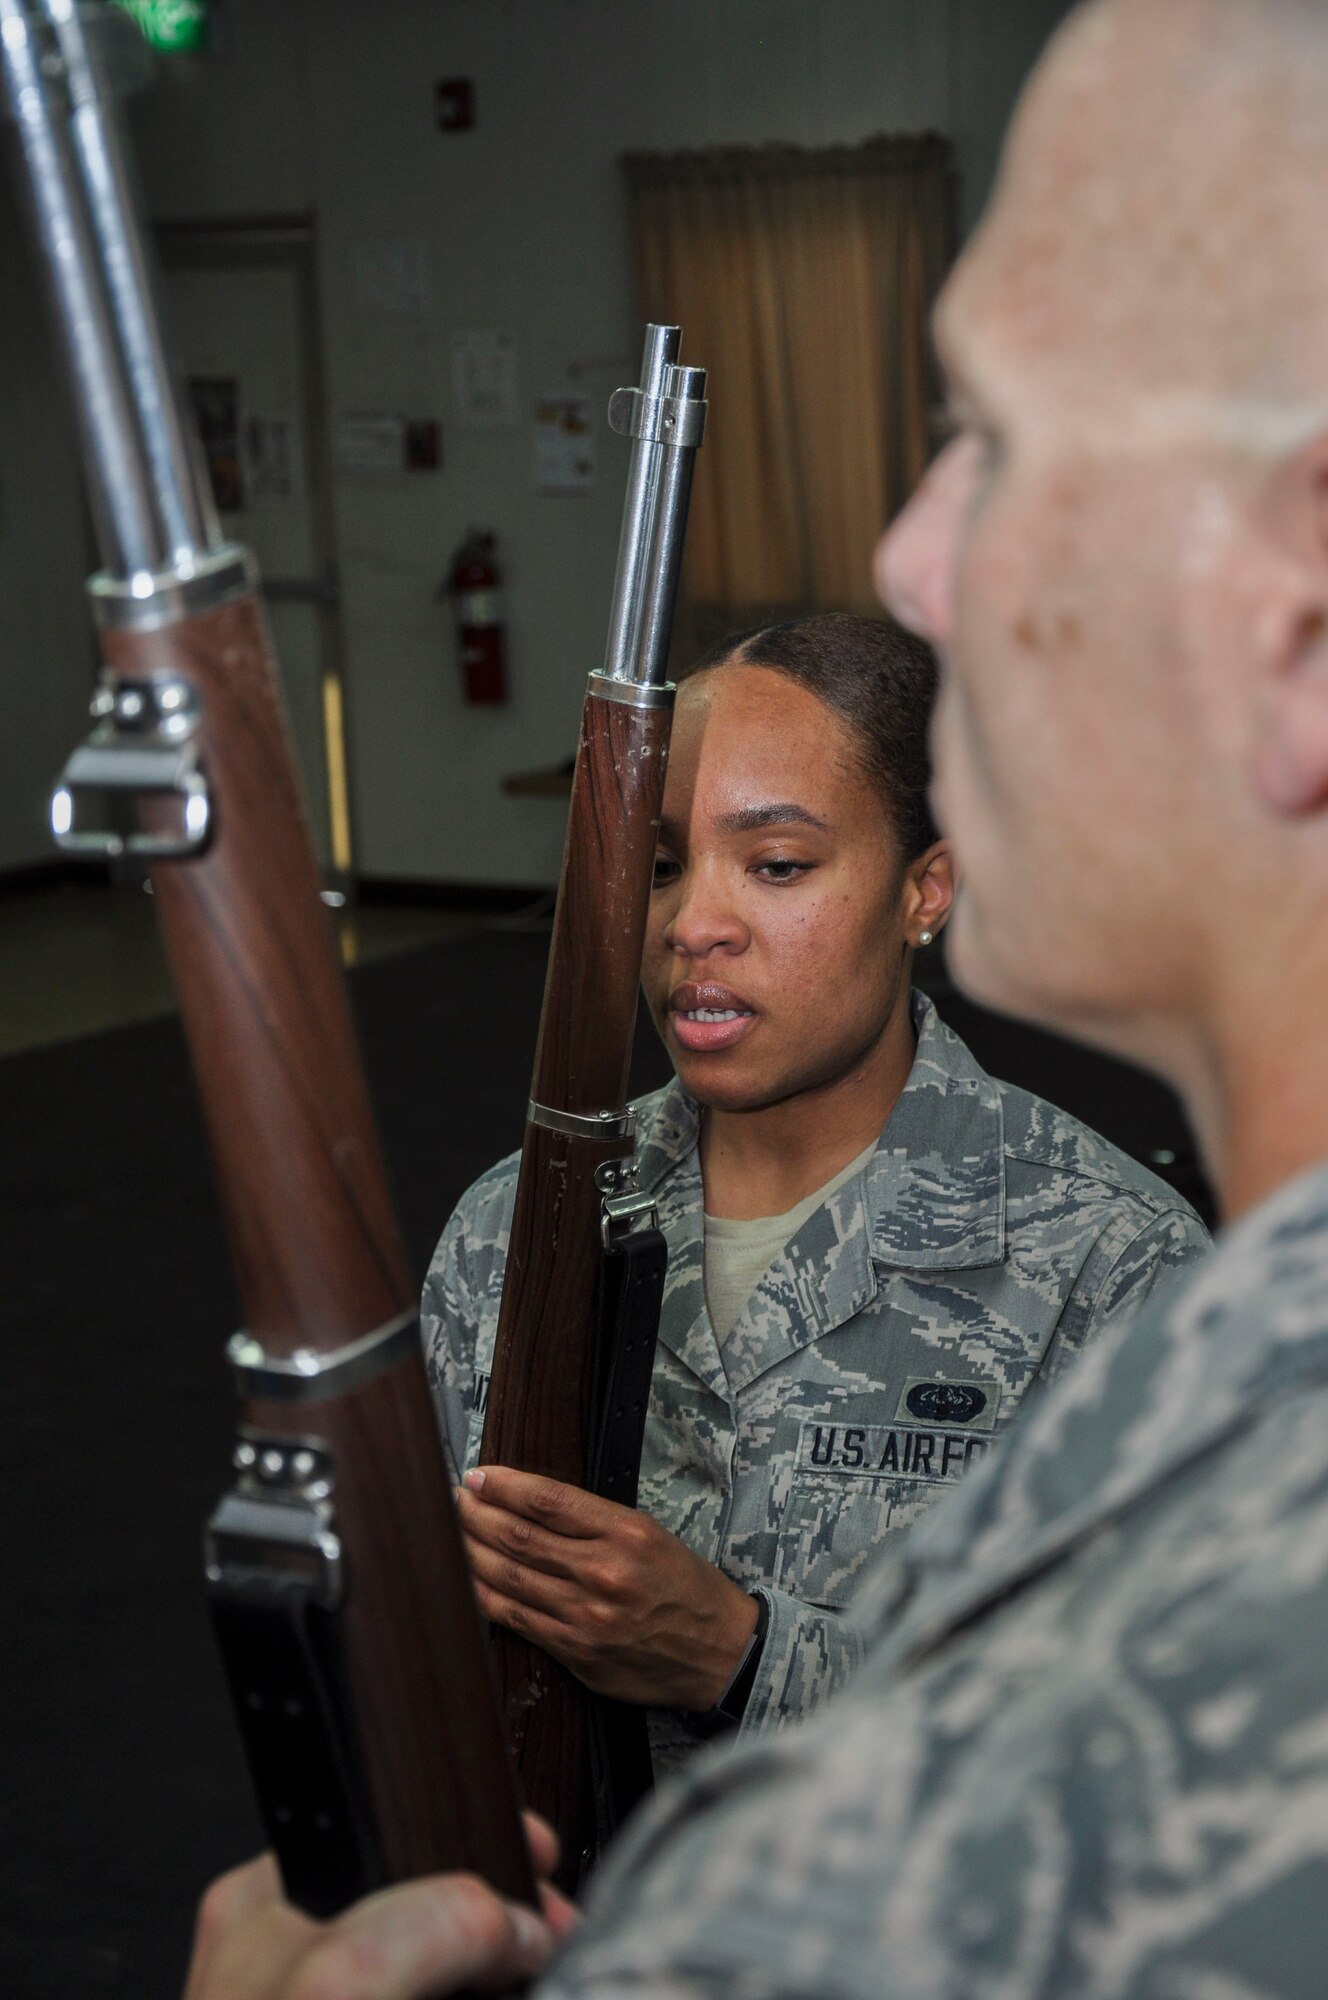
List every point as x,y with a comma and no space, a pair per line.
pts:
924,1400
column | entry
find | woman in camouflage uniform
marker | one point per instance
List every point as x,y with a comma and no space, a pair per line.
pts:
875,1249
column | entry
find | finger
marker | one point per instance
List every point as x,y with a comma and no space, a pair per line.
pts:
560,1913
246,1936
517,1536
555,1596
425,1937
568,1510
560,1639
542,1842
242,1890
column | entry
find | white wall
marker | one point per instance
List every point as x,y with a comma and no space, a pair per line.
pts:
325,106
47,660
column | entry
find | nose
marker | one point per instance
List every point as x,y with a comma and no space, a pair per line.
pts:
916,559
704,919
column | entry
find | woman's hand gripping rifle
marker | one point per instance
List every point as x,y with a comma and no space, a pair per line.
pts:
575,1339
335,1567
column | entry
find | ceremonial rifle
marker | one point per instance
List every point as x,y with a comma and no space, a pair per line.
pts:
585,1261
335,1566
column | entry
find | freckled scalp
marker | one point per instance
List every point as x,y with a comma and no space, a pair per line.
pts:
1160,214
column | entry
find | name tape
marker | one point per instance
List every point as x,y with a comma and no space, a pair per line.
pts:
887,1451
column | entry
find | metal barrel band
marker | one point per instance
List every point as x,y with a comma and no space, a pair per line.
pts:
634,694
149,599
580,1125
670,419
307,1374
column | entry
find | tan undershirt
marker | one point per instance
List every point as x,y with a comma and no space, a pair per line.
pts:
736,1253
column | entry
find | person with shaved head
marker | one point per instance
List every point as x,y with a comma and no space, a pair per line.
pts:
1087,1753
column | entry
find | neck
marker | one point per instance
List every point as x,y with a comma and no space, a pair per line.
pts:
1264,1120
1253,1072
764,1162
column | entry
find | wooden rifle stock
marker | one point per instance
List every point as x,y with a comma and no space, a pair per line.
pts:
542,1410
318,1258
336,1568
542,1392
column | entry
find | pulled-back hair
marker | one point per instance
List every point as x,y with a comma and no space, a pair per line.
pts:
878,678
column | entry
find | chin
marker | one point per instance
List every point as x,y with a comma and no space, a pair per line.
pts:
751,1091
712,1090
717,1088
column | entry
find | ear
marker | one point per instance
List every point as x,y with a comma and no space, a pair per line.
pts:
929,891
1291,712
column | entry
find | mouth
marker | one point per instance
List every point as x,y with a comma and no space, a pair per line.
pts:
704,1018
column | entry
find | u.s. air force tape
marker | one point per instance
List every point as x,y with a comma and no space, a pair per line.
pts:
887,1451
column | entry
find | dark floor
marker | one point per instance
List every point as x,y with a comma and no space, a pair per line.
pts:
124,1790
79,956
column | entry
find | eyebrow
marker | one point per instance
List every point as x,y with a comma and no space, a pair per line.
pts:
748,819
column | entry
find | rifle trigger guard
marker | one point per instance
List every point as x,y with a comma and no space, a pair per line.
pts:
142,744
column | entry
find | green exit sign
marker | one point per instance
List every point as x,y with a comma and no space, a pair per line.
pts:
174,26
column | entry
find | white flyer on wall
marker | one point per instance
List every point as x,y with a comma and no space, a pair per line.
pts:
269,458
372,441
484,379
564,445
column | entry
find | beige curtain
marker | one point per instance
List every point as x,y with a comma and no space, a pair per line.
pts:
803,281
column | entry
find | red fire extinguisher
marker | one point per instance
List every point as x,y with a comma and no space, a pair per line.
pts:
473,586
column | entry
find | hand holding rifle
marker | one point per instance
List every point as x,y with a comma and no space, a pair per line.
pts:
428,1937
622,1603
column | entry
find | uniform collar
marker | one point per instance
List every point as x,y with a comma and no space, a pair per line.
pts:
932,1197
935,1187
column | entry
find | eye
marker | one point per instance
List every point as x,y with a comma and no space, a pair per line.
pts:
960,426
984,442
666,871
779,871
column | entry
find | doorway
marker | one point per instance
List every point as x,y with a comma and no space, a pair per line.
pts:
242,300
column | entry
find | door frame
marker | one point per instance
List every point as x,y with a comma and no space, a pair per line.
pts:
288,242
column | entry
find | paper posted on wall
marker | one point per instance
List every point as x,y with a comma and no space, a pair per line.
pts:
269,458
564,445
484,379
371,441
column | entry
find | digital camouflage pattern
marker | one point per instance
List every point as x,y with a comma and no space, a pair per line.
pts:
879,1356
1087,1754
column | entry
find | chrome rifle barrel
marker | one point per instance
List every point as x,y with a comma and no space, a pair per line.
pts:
150,506
684,391
183,497
622,652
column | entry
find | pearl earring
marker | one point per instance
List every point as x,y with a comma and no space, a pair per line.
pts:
924,937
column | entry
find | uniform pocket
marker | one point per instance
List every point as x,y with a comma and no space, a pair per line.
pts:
829,1533
854,1484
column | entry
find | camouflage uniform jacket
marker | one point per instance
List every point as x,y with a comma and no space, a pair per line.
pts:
987,1239
1086,1757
